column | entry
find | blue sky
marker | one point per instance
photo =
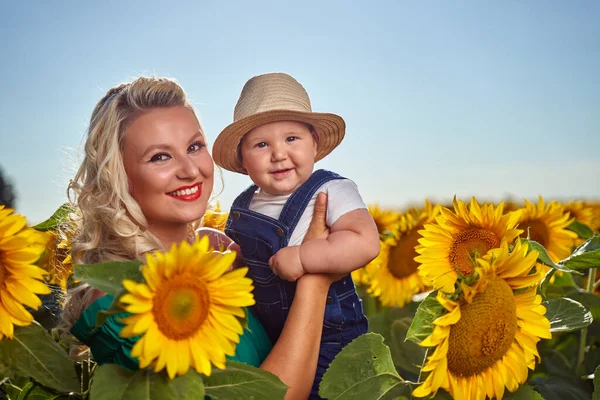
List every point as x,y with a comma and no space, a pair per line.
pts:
440,97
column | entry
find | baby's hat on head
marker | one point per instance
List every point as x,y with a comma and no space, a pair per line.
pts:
268,98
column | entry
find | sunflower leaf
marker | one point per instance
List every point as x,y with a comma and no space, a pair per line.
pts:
543,256
581,229
242,381
363,369
422,325
107,277
585,256
34,353
59,217
596,395
559,388
524,392
567,315
114,382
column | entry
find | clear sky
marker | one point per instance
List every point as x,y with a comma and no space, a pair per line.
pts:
484,98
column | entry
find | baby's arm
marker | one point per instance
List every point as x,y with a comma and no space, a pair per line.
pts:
353,243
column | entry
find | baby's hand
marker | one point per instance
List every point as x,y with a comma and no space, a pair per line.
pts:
286,263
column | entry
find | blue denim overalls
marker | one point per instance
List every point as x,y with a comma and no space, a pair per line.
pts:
260,237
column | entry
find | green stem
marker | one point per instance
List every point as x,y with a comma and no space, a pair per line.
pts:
584,331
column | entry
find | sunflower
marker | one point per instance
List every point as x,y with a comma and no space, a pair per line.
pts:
215,218
386,221
20,280
546,224
57,259
450,247
361,277
488,338
582,212
595,223
188,310
395,277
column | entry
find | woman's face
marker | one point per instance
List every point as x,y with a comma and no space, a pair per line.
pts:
169,169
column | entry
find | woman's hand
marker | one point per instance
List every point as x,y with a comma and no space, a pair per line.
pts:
318,229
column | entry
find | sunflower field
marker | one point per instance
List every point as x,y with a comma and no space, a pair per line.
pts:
466,300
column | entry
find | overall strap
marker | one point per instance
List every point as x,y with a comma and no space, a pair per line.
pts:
243,200
298,201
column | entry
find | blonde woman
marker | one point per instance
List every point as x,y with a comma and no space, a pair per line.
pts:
145,181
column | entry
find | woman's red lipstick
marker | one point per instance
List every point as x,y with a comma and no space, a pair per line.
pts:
187,193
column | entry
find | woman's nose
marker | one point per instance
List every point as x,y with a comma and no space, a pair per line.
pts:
188,168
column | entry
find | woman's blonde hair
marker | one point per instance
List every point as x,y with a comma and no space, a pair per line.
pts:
111,224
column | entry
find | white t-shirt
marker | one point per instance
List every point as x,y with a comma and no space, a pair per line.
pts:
342,197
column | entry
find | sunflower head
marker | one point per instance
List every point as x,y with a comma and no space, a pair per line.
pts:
395,278
546,223
386,221
20,279
448,248
188,310
488,336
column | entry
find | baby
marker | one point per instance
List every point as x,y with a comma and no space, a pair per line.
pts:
276,139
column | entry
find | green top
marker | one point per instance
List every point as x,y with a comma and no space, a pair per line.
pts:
108,347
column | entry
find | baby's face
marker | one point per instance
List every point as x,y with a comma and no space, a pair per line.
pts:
279,156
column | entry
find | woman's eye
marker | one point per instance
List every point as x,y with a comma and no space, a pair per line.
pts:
260,145
195,147
160,157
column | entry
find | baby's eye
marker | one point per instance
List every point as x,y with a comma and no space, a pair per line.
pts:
195,147
261,145
291,138
160,157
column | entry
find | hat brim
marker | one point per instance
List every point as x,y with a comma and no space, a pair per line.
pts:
331,129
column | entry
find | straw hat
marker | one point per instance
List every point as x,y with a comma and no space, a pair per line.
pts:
268,98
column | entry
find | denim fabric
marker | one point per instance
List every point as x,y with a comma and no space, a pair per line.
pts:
260,237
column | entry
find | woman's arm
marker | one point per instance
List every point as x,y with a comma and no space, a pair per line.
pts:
294,357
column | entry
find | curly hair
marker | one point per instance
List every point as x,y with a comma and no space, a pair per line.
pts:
112,225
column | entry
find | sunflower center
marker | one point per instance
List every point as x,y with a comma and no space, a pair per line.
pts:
485,331
401,261
537,231
181,306
470,245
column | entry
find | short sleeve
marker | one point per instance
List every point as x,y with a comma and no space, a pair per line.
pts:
342,197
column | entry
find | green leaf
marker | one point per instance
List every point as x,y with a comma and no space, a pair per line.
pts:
552,388
33,391
363,370
33,353
107,277
581,229
406,354
596,395
543,256
189,386
242,381
111,381
524,392
59,217
422,325
585,256
567,315
562,286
